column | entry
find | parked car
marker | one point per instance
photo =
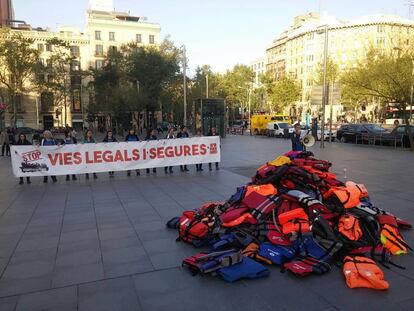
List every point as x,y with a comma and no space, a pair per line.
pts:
364,132
398,137
326,132
278,129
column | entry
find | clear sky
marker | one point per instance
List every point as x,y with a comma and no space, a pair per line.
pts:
221,33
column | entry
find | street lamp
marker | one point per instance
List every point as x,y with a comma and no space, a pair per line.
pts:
324,91
184,83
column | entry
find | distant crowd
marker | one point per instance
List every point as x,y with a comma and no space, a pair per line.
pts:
7,138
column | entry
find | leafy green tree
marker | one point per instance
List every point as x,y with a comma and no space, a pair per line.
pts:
18,60
283,92
332,72
383,77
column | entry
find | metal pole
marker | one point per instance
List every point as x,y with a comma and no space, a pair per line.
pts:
37,113
412,91
206,85
250,104
331,113
325,59
185,84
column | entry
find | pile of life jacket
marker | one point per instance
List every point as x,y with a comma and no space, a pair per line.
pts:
297,215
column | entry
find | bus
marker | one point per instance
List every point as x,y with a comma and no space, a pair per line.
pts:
393,114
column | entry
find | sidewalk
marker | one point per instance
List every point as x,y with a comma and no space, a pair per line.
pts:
103,245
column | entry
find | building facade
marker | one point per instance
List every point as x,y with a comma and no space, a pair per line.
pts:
258,66
299,50
105,30
6,12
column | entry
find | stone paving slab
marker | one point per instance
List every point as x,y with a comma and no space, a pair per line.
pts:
102,244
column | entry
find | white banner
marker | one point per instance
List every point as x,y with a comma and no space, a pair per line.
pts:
105,157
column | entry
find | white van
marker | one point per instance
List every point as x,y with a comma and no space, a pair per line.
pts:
278,129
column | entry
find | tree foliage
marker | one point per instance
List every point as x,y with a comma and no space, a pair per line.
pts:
17,64
282,92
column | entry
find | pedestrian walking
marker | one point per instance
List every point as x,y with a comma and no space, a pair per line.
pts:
48,140
131,137
23,141
109,138
151,135
170,135
213,132
199,167
70,140
88,139
5,144
183,134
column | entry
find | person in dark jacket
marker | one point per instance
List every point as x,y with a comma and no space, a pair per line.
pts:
88,139
183,134
297,136
213,132
130,138
151,135
70,140
48,140
109,138
170,135
23,141
199,167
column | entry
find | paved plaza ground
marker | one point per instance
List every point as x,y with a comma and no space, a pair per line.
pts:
102,244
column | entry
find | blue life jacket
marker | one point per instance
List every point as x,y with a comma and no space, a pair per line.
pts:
247,268
276,253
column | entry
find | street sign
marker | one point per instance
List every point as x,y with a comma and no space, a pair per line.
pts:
316,97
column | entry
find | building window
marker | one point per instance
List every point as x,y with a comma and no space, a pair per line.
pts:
151,39
111,36
139,38
74,51
99,50
381,28
49,47
380,41
98,64
40,47
46,101
76,100
97,35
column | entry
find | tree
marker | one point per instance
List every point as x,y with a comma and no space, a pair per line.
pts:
384,77
332,72
283,92
17,64
55,76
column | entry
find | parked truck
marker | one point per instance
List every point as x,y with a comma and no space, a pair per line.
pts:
259,122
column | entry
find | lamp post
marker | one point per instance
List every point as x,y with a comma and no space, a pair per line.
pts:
207,85
184,83
324,90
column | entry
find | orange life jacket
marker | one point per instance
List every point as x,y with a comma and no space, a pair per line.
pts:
361,187
246,217
266,189
349,195
295,220
363,272
393,241
349,227
252,251
323,175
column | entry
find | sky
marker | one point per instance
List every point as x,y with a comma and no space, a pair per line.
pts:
220,33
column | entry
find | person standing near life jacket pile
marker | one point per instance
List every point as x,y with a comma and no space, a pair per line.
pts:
70,140
213,132
296,138
183,134
152,135
48,141
199,167
132,137
23,141
109,138
88,139
170,135
4,141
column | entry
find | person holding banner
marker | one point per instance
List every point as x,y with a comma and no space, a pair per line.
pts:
183,134
213,132
109,138
170,135
199,167
48,141
70,140
132,137
151,135
23,141
89,140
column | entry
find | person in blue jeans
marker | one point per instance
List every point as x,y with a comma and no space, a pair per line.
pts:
152,135
170,135
199,167
48,141
70,140
109,138
132,137
213,132
183,134
88,139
